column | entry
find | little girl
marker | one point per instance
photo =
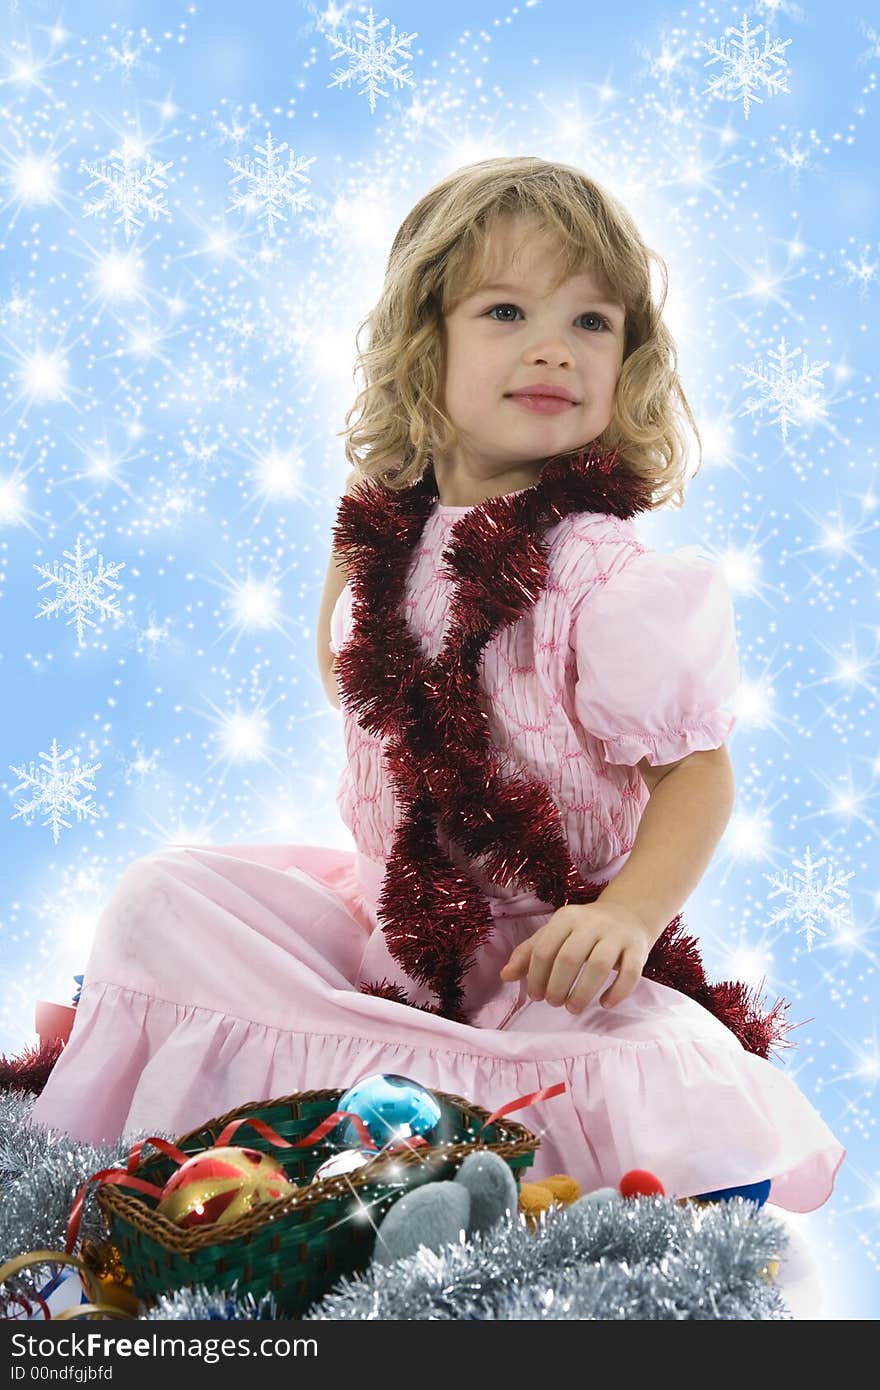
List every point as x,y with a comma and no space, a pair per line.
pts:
536,773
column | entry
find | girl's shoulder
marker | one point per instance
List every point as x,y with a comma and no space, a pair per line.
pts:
591,527
585,546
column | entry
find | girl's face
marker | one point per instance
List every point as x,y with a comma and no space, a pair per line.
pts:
500,340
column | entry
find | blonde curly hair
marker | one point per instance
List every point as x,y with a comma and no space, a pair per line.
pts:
439,255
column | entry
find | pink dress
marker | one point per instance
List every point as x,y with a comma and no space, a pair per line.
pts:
226,974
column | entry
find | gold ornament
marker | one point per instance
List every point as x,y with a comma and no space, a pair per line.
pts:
220,1185
104,1263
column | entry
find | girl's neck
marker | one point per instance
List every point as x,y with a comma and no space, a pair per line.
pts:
450,508
457,493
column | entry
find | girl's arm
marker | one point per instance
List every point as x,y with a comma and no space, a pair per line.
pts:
566,960
334,583
685,817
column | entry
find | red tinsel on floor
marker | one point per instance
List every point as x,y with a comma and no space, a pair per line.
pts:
29,1072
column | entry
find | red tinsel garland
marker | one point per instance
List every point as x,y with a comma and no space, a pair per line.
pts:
30,1070
439,756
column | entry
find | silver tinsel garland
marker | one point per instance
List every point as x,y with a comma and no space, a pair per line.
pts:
200,1304
41,1173
647,1259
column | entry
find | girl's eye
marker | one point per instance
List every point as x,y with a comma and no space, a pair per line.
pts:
589,314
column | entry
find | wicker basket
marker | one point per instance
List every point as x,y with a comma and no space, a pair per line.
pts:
299,1247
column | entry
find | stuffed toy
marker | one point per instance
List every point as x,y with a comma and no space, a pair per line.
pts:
483,1191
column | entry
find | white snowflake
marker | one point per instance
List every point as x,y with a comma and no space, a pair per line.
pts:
141,765
128,190
201,455
797,158
862,273
809,901
22,303
371,59
236,132
793,396
270,185
57,789
79,590
873,37
747,67
127,55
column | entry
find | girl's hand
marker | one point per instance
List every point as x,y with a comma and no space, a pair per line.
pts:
583,942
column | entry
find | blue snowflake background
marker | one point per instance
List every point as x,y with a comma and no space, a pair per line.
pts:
197,205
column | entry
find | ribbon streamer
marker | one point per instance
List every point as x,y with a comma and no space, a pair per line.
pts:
547,1093
92,1288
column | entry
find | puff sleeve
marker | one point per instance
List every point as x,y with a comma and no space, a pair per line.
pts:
656,658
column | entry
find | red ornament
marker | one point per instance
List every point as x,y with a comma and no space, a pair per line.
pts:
221,1185
638,1182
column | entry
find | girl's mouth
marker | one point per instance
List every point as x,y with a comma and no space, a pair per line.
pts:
544,405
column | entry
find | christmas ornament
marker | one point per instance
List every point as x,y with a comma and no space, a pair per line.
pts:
392,1108
220,1185
350,1160
346,1161
639,1183
438,754
104,1263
